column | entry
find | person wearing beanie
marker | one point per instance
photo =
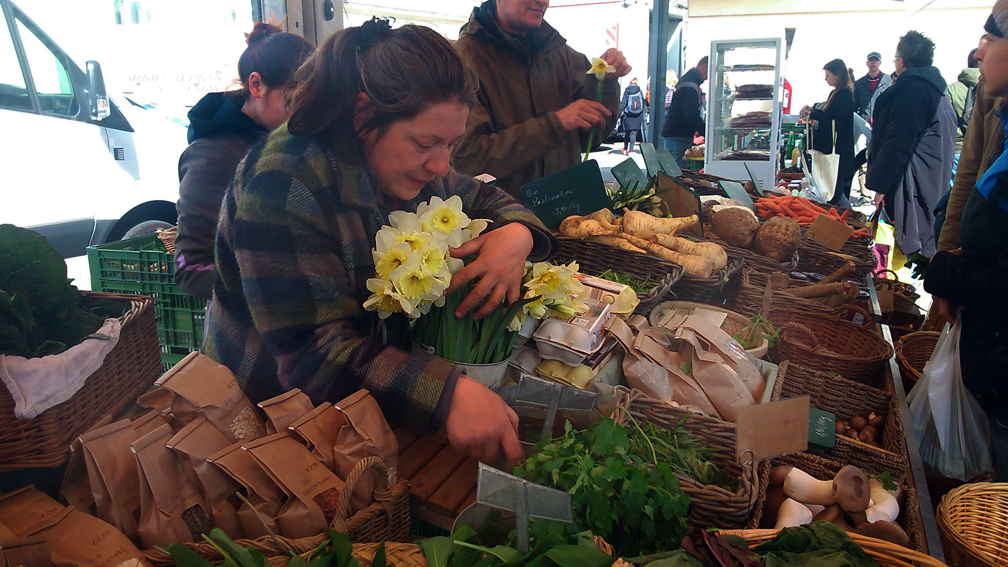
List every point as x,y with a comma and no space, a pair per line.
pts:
912,147
867,89
971,282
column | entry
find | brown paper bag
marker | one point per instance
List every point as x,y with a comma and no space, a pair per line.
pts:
261,490
74,537
6,533
76,490
285,409
193,444
204,387
367,435
112,473
149,422
731,351
24,552
172,508
157,399
314,490
722,385
319,430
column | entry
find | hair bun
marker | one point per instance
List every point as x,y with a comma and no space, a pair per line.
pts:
375,30
261,31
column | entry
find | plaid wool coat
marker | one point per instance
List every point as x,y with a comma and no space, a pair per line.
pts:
293,255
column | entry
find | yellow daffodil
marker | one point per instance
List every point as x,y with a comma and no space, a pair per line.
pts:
415,282
391,259
386,238
475,228
385,300
599,68
446,219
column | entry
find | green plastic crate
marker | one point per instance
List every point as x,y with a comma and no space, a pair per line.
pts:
141,266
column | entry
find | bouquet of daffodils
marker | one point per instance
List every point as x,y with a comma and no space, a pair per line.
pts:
414,268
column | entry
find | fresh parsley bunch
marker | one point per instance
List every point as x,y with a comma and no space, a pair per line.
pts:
634,505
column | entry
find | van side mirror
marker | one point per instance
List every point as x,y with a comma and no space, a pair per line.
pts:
97,98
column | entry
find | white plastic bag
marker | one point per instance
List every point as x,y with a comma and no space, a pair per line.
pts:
952,429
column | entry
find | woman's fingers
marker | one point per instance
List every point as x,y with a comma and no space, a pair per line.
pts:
494,300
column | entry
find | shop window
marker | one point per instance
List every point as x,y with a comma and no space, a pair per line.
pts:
13,91
135,12
50,74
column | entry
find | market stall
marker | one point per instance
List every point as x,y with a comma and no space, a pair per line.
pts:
696,377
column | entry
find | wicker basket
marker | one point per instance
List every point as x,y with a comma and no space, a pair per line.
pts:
386,519
905,318
129,369
749,300
710,505
826,469
733,323
713,289
845,399
831,344
594,258
752,259
814,257
894,284
913,351
973,524
883,552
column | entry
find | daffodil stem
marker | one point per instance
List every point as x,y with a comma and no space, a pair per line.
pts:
591,133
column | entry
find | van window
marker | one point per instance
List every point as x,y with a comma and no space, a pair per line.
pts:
50,74
13,93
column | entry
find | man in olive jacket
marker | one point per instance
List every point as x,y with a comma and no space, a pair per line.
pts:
536,101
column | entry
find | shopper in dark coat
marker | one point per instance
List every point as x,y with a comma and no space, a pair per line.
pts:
632,111
867,89
685,118
222,129
913,145
975,276
836,122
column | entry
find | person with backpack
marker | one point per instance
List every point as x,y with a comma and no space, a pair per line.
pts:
685,112
632,112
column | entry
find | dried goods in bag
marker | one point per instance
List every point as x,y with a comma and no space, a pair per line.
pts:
24,552
76,489
172,508
74,538
259,488
204,387
313,489
285,409
112,473
318,430
193,444
149,422
367,434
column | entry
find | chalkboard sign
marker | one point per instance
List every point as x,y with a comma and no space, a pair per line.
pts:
577,190
650,159
627,172
668,163
735,190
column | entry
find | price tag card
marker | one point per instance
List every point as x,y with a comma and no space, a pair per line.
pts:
774,429
829,232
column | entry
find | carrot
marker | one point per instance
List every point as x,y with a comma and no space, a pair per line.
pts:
846,212
815,207
834,214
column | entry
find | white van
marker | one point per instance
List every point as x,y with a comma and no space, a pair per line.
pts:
68,162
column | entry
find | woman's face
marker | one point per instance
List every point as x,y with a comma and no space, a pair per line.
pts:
831,79
274,111
412,152
993,58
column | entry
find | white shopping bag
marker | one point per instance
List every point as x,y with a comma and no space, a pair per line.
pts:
953,433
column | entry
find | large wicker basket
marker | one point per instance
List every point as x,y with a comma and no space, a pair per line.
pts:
825,469
913,351
713,289
594,258
749,300
845,399
386,519
710,505
831,343
814,257
883,552
973,524
129,369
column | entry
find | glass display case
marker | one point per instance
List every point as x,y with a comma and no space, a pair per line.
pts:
743,113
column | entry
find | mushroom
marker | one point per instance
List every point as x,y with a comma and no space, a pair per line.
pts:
878,422
849,488
815,508
884,506
791,514
858,422
886,531
777,476
771,504
835,515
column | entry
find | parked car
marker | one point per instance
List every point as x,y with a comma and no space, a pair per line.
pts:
70,163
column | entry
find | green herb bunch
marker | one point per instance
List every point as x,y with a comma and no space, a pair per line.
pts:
685,453
635,284
634,504
759,328
552,545
334,551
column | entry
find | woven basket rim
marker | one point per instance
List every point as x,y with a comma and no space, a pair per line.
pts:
977,498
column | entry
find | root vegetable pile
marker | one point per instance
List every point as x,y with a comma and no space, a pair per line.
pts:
801,210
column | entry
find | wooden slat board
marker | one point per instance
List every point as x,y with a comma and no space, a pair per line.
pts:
416,456
447,500
442,482
404,437
434,474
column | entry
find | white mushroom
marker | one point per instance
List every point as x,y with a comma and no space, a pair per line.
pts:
886,531
792,514
849,488
884,507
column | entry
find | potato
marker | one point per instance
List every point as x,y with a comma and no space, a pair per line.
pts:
778,238
858,422
735,225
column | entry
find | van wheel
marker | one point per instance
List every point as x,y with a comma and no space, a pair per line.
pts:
146,228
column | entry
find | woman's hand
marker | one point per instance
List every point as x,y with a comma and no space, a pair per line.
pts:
480,424
499,266
947,310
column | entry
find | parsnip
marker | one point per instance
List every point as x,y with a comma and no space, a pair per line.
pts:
643,225
693,265
709,250
606,219
581,227
618,242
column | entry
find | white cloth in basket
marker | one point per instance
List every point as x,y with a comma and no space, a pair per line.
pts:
37,384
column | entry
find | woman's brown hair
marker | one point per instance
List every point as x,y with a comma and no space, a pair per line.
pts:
839,69
402,71
272,53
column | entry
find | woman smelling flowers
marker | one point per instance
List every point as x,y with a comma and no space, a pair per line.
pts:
375,116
